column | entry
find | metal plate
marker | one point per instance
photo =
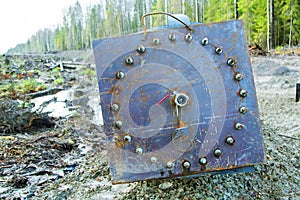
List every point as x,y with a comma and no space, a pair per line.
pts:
150,136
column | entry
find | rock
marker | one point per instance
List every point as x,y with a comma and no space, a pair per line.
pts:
165,186
282,71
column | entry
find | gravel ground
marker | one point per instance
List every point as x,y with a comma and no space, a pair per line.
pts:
277,178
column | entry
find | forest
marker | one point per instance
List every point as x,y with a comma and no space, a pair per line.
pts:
270,24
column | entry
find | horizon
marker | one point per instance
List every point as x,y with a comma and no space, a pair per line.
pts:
22,19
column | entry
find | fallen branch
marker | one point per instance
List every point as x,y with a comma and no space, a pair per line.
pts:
44,92
75,63
294,138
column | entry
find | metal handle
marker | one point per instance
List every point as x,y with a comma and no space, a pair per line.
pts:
162,13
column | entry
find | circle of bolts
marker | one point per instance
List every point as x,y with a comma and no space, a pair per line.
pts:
217,152
170,164
129,60
230,62
139,151
203,161
243,93
115,107
204,41
119,124
219,50
127,138
172,37
186,164
141,49
229,140
188,37
120,75
153,159
155,41
238,126
238,76
243,110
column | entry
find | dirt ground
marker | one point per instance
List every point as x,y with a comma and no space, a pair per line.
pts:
275,79
82,172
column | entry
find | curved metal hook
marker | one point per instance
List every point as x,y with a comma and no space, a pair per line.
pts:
162,13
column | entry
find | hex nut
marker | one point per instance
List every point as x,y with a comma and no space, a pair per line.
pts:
120,75
153,159
115,107
230,62
155,41
243,93
203,161
204,41
139,150
238,126
217,152
186,164
188,37
243,110
119,123
219,50
170,164
141,49
172,37
129,60
127,138
230,140
238,76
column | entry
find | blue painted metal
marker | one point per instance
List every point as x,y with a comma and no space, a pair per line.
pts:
165,132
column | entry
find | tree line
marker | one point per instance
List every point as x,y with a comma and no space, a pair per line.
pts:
268,23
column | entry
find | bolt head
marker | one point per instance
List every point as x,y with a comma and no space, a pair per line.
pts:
120,75
217,152
153,159
243,93
230,62
230,140
155,41
129,60
203,161
119,124
115,107
238,126
139,151
204,41
186,164
188,37
243,110
238,76
172,37
141,49
115,138
127,138
219,50
170,164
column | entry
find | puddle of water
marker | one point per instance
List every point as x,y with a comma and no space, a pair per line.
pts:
57,107
94,104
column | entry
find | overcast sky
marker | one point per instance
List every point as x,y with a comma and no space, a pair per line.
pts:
20,19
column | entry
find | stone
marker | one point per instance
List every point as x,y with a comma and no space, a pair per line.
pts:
165,186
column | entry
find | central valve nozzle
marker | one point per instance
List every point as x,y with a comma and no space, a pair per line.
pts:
181,99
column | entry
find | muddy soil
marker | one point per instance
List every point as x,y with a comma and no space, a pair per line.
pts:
79,169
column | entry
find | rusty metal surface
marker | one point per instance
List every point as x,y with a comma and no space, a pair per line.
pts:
149,133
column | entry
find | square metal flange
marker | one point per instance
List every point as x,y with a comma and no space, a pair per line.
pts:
178,103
